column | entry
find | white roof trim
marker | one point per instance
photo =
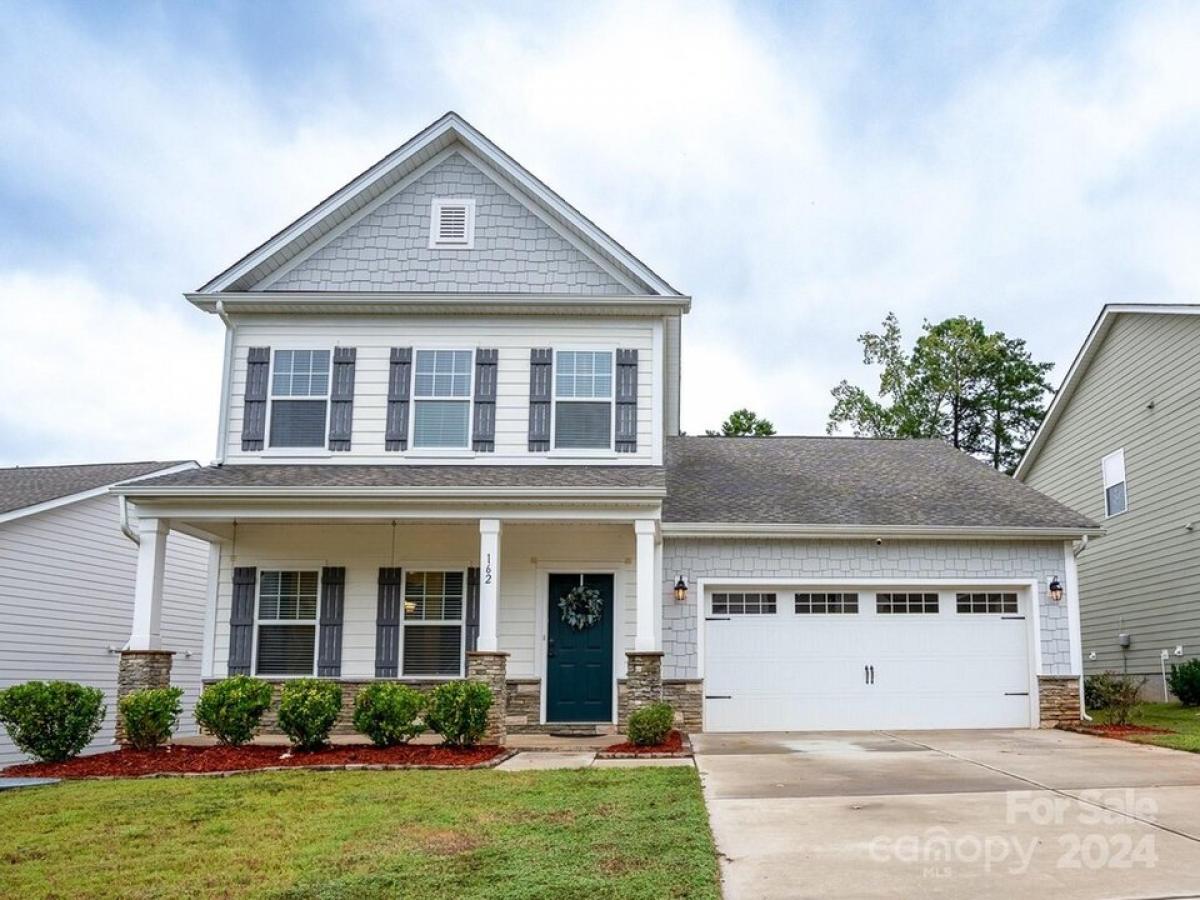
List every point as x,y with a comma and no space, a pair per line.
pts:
80,496
454,126
1083,360
817,532
533,494
421,303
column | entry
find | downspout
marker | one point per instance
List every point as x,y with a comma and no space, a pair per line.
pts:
126,528
223,424
1076,551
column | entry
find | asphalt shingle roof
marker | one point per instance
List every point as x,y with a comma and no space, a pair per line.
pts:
23,486
385,476
848,481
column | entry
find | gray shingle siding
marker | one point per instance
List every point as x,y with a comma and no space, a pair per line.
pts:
388,250
711,559
1143,576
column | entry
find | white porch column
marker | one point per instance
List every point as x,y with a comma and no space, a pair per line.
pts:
646,639
148,587
489,583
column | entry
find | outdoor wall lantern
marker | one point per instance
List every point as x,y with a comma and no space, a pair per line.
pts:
1056,589
680,590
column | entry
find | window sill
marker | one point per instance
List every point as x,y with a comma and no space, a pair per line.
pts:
435,453
297,453
585,454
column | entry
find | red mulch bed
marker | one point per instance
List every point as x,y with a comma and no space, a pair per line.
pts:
184,759
1120,731
673,744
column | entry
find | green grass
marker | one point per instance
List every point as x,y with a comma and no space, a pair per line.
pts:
579,833
1184,721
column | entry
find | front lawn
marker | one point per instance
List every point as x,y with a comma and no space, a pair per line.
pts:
1183,721
578,833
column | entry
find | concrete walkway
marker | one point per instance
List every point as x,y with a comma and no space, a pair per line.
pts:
984,814
11,784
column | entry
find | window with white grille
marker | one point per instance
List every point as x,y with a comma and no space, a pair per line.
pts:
433,622
299,398
1115,499
287,623
906,603
452,224
826,604
987,603
739,604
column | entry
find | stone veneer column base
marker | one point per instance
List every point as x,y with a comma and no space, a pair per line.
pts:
686,696
1058,700
491,667
642,684
138,670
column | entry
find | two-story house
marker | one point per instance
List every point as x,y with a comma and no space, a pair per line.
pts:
449,446
1120,443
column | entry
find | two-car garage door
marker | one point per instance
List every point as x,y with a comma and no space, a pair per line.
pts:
850,658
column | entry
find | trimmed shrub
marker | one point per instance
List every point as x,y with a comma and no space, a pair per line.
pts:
651,724
457,710
1184,682
1116,695
51,720
230,710
308,709
389,713
150,716
1096,690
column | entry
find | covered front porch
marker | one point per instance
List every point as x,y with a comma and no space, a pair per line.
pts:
358,592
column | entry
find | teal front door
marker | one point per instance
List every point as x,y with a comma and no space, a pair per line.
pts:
579,672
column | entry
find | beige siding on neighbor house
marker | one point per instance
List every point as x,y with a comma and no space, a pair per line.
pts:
527,554
1143,576
513,336
66,597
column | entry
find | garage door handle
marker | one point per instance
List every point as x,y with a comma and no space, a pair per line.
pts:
718,696
716,618
872,668
866,674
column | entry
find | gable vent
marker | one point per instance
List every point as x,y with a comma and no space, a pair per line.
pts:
452,224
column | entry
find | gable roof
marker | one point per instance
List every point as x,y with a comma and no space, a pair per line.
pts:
854,485
447,132
24,488
1083,360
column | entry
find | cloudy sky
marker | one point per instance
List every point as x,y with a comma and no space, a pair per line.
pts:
799,168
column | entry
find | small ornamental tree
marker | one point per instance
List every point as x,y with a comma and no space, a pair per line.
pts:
53,720
231,709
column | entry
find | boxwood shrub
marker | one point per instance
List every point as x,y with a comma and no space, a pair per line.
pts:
150,716
230,710
389,713
651,724
53,720
1184,682
457,710
308,709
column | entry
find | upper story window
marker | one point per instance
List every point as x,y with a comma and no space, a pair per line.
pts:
287,623
442,398
1113,467
583,393
299,398
452,224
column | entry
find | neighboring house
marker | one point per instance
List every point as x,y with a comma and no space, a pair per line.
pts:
1121,442
67,583
451,403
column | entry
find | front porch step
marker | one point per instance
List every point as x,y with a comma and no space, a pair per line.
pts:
580,729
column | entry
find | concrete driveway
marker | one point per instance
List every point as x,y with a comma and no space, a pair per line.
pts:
951,814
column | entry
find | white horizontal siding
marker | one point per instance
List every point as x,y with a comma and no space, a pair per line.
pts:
526,551
1143,576
66,597
514,337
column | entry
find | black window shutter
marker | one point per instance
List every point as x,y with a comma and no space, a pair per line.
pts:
541,386
387,624
626,397
472,619
484,426
399,380
254,403
341,398
333,606
241,620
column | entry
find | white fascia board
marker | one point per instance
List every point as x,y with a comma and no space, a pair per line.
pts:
80,496
1082,361
532,494
367,302
726,530
195,512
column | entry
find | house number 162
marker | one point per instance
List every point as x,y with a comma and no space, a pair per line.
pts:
487,570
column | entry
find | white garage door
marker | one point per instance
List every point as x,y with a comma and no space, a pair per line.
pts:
805,659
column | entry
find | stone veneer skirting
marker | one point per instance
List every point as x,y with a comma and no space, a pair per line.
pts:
1058,700
137,671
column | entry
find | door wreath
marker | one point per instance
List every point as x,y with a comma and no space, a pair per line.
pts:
581,607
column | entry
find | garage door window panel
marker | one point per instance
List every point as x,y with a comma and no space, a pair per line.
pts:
743,604
906,604
826,604
991,603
